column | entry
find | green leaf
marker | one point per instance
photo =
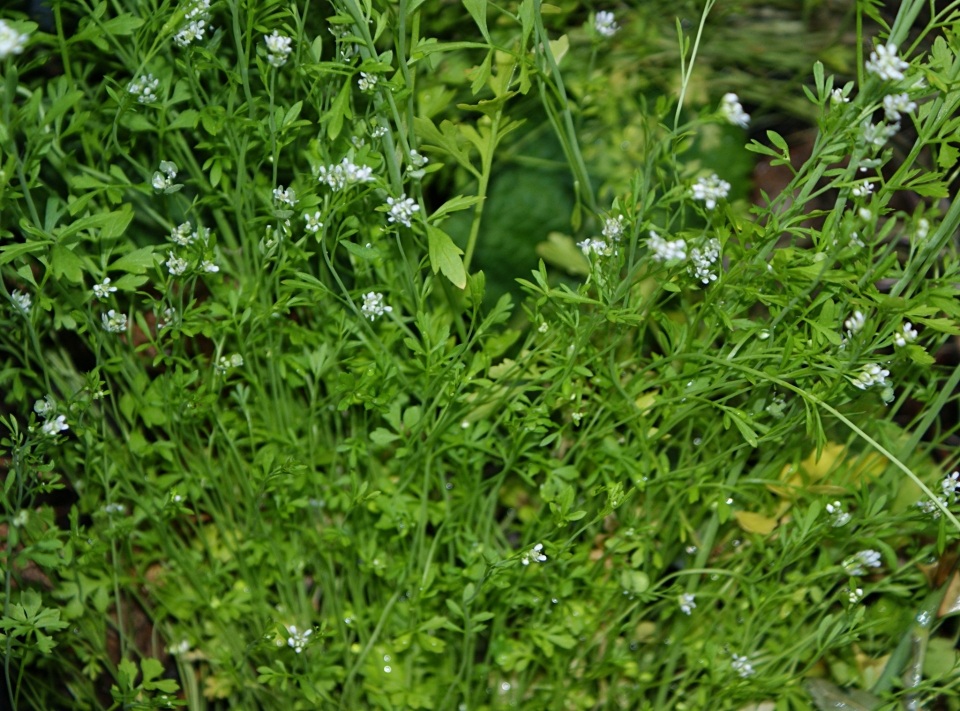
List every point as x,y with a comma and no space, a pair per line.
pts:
188,118
455,204
127,672
152,668
481,74
11,251
129,282
382,437
478,11
61,106
561,251
777,140
357,251
947,156
445,256
136,262
66,263
122,25
338,111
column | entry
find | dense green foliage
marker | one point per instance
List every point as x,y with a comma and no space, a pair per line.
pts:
275,442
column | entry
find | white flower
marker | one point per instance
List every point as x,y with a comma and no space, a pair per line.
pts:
195,19
878,134
855,596
605,24
373,305
535,554
664,250
367,82
863,189
732,110
930,508
893,104
951,485
346,173
144,88
285,197
21,301
11,41
209,267
114,322
224,364
710,190
837,97
923,229
114,508
742,666
886,64
278,48
687,603
297,640
104,289
595,246
855,323
838,517
613,228
378,132
872,374
906,334
703,260
45,407
169,315
183,235
21,518
859,562
163,178
402,210
176,265
161,182
417,160
313,222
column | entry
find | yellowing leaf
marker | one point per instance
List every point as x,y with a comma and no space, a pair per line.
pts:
561,251
755,523
831,455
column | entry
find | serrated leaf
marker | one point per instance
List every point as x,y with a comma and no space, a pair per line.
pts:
66,263
136,262
445,256
478,11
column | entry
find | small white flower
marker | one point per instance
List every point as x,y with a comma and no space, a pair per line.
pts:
191,32
906,334
930,508
742,666
732,110
893,104
373,305
278,48
951,485
144,88
21,518
544,327
863,189
886,63
872,374
402,210
859,562
45,407
703,259
838,517
855,595
378,132
225,363
417,160
285,197
709,190
169,315
837,97
606,24
313,222
536,555
183,235
11,41
923,229
21,301
367,82
114,322
344,174
595,246
613,228
114,508
103,289
209,267
855,323
878,134
666,251
160,181
55,426
176,265
687,604
297,640
865,214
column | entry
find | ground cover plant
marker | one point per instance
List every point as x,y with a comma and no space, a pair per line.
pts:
271,440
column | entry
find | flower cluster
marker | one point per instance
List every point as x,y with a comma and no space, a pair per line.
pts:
21,301
373,305
872,374
742,666
906,334
536,555
855,323
894,104
687,604
53,424
184,235
367,82
605,24
837,97
709,190
225,364
402,210
163,178
196,19
858,563
886,63
11,41
144,88
613,228
703,259
297,639
284,197
103,289
930,508
344,174
864,189
595,246
114,322
665,250
923,229
278,49
951,486
732,110
838,517
877,134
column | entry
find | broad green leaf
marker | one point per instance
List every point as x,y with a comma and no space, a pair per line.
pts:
186,119
445,256
11,251
66,263
339,110
136,262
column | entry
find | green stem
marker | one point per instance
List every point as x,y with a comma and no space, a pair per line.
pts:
487,160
